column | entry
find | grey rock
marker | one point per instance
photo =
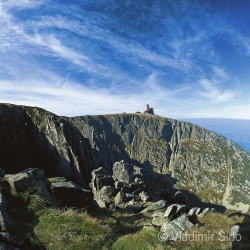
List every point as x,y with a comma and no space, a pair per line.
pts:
126,172
144,196
159,221
203,213
134,205
174,209
72,195
119,199
107,194
194,211
157,205
234,232
157,214
28,178
57,179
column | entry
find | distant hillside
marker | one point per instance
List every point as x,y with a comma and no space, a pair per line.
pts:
187,156
237,130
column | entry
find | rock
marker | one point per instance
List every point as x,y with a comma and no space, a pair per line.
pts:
174,209
57,179
157,214
101,178
28,178
144,196
213,210
119,199
234,232
129,197
159,221
7,223
203,213
134,205
148,227
2,173
72,195
107,194
157,205
194,211
126,172
174,230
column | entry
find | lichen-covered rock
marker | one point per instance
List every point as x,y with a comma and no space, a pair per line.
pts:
157,205
72,195
28,178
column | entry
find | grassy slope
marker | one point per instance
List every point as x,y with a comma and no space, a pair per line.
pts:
44,225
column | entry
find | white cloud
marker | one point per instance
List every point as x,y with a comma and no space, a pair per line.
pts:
213,93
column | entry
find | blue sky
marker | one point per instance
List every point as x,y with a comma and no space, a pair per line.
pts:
186,58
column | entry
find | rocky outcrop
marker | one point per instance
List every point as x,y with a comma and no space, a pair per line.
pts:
170,152
70,194
28,179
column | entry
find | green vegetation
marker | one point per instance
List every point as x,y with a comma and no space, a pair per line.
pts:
45,225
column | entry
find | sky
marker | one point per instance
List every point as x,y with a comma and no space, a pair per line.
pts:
185,58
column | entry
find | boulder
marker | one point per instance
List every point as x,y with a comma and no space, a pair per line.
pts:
72,195
119,199
126,172
28,178
235,230
144,196
107,194
174,209
194,211
157,205
175,229
134,205
159,221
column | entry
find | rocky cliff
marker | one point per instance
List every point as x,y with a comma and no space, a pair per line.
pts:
172,152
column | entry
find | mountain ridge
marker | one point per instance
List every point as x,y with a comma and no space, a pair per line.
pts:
204,163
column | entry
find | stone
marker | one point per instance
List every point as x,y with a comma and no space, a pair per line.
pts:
234,232
126,172
213,210
134,205
176,228
174,209
28,178
203,213
57,179
178,198
159,221
72,195
144,196
7,223
119,199
157,205
107,194
157,214
149,227
194,211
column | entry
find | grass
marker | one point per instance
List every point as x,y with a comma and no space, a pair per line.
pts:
45,225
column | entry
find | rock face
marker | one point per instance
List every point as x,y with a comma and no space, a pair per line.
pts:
206,164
